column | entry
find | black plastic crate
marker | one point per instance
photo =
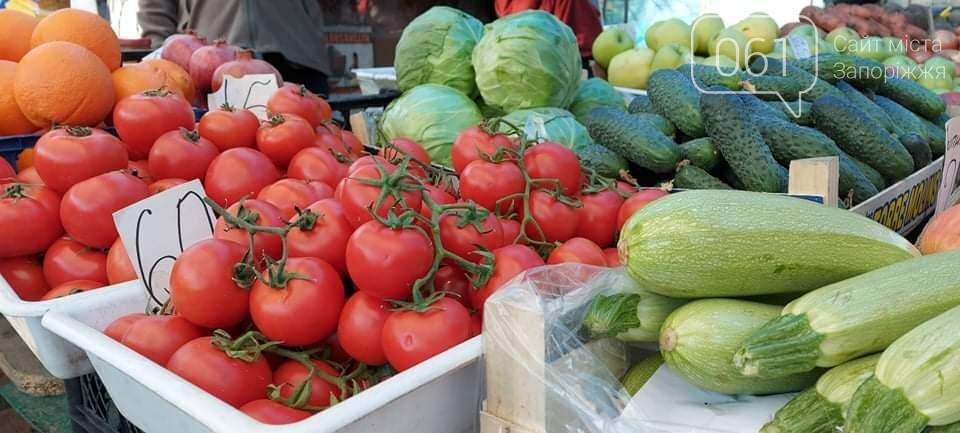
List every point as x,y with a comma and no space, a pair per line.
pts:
91,408
12,145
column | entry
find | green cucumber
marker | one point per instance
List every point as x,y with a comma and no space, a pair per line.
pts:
918,148
796,111
701,152
740,143
675,97
698,340
634,139
772,87
871,173
710,76
854,317
662,123
942,120
698,244
862,138
690,176
757,107
602,160
862,73
910,122
869,107
626,311
936,137
640,104
811,88
915,97
640,373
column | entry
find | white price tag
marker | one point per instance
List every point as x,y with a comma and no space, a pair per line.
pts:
249,92
949,192
157,229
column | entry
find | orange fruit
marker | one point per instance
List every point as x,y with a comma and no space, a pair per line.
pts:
25,159
12,120
15,31
178,79
83,28
135,79
65,84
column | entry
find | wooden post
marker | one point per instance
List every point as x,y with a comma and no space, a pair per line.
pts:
816,176
359,127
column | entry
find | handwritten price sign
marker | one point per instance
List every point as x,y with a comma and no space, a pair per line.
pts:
250,92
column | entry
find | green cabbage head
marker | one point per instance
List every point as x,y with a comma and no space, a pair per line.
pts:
527,60
594,93
436,47
549,124
432,115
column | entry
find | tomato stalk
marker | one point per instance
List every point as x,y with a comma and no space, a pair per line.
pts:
15,191
247,347
302,392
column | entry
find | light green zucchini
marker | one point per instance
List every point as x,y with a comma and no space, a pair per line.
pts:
641,372
855,317
952,428
698,341
917,382
629,313
820,408
716,243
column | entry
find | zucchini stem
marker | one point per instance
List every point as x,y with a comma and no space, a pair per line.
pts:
784,346
611,315
876,408
808,412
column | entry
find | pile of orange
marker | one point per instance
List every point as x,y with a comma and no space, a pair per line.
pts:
65,69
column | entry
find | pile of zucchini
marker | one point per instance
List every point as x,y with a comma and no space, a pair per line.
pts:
759,294
690,130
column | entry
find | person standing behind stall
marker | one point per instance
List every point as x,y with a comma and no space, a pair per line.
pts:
581,15
286,33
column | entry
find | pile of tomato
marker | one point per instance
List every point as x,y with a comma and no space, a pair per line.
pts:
329,269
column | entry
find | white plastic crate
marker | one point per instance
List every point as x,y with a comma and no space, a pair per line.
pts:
372,80
61,358
441,395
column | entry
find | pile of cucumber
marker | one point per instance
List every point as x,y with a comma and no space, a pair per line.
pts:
882,129
749,293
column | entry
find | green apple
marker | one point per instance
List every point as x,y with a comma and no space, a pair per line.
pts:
631,68
824,47
841,38
933,83
939,67
611,42
704,27
670,56
902,66
872,48
732,43
672,31
722,63
806,31
760,31
782,50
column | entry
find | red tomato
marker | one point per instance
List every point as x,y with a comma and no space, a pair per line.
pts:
460,235
163,185
119,327
232,380
625,187
181,154
292,373
637,202
141,119
612,257
511,230
577,250
119,268
158,337
438,195
6,170
270,412
453,281
68,260
29,175
70,288
403,147
557,221
485,183
263,243
411,337
316,164
140,170
509,261
332,144
321,189
296,99
337,354
29,219
327,239
283,136
472,142
597,217
361,323
236,173
202,289
68,155
312,302
25,276
549,160
227,128
352,143
87,209
359,197
288,195
476,323
375,252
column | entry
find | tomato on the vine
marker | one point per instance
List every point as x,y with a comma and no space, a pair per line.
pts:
556,220
511,230
235,381
577,250
296,99
70,288
270,412
463,232
288,195
259,213
158,337
69,155
181,154
361,323
302,311
119,268
282,136
612,257
359,196
636,202
316,164
29,219
386,262
119,327
25,276
549,160
438,195
228,127
509,261
597,218
411,337
485,183
68,260
473,142
327,238
454,283
292,373
87,208
401,147
237,173
141,119
202,285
